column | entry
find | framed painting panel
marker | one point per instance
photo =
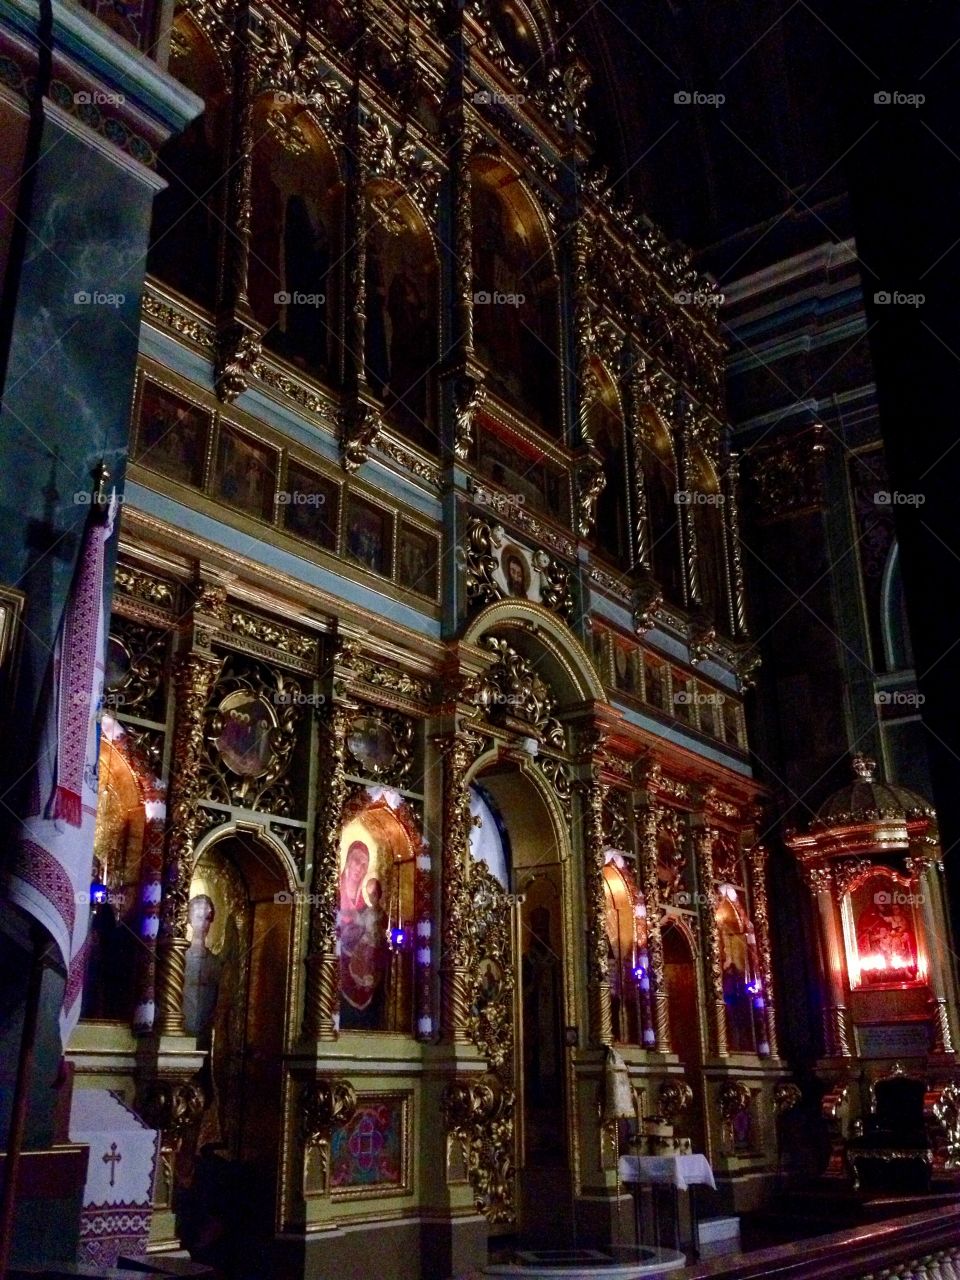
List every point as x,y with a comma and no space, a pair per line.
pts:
370,1154
417,560
172,434
310,506
245,473
368,535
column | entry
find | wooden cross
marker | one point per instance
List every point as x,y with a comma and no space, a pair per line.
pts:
112,1157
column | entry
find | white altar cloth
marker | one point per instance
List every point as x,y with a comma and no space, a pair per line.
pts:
118,1196
681,1172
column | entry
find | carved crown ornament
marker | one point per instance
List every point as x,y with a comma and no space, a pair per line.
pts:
512,694
866,816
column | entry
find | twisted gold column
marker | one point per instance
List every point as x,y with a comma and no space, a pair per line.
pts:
646,813
194,677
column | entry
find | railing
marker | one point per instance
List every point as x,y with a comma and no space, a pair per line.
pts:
922,1246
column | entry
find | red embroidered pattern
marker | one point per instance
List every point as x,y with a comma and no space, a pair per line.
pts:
40,869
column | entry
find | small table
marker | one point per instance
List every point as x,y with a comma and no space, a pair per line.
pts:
683,1173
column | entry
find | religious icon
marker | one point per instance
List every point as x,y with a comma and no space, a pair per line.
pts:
310,506
886,942
368,537
372,745
401,331
201,984
244,740
364,949
172,435
516,571
417,560
245,474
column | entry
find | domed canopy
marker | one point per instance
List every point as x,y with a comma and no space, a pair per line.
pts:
865,799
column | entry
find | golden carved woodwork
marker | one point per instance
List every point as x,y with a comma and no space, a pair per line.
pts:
479,1113
703,843
757,862
323,968
459,751
648,853
195,675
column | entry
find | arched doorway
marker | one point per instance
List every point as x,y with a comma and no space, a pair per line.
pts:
235,1002
684,1004
522,986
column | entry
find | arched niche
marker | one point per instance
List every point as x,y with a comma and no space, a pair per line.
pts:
625,919
524,30
185,236
541,637
606,424
295,234
125,889
515,300
740,968
242,912
383,914
708,522
658,463
402,312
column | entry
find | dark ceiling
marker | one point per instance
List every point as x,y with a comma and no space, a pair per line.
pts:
765,171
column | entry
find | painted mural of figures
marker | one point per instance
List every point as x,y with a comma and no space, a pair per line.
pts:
306,264
513,324
400,329
885,942
363,941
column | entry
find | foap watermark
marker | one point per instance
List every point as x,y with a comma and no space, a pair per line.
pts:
896,298
899,698
298,897
284,98
98,298
897,98
684,698
694,98
493,98
485,298
699,298
98,98
897,898
499,501
895,498
98,895
285,299
84,498
298,698
299,498
688,898
697,498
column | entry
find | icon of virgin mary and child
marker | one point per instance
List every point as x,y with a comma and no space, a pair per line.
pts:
364,951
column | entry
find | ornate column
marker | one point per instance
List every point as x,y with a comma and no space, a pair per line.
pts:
836,1016
757,861
464,375
361,421
238,342
925,866
688,521
703,838
636,395
459,750
194,676
646,814
592,795
323,967
731,488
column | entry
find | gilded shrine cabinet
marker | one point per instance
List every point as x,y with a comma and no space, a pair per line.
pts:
872,861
